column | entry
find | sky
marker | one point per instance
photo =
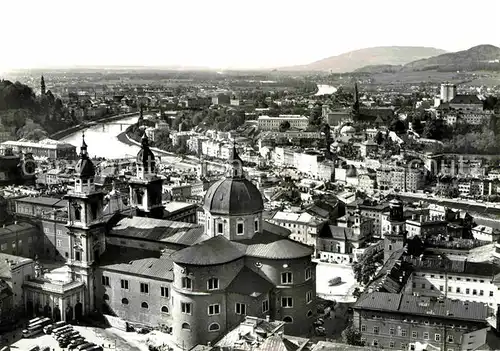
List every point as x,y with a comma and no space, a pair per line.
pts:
231,33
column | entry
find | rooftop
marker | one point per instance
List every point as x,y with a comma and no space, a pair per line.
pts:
159,230
6,261
46,144
409,305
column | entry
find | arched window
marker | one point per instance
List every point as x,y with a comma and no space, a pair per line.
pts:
214,327
186,326
288,319
164,309
78,214
256,225
309,314
125,301
105,297
240,228
144,305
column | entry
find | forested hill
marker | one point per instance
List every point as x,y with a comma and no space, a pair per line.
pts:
27,116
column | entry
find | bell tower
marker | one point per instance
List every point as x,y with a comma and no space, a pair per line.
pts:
146,187
86,226
395,238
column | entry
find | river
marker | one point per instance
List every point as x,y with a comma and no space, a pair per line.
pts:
324,89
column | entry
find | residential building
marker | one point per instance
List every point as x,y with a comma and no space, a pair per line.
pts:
273,123
47,148
304,227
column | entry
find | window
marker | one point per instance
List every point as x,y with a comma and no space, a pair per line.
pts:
403,332
481,292
376,330
106,297
186,326
144,288
287,302
144,305
491,292
391,344
4,247
450,338
213,309
414,334
256,224
437,337
286,278
220,228
213,284
164,291
449,289
474,292
265,306
164,309
214,327
467,291
423,286
125,301
309,296
375,342
78,256
187,283
58,242
240,308
309,314
308,273
288,319
441,288
363,328
426,336
391,331
124,284
186,307
105,280
458,290
239,228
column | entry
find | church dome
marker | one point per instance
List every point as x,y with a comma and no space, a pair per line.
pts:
84,167
234,195
145,156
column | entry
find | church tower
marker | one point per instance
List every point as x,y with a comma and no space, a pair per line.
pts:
395,238
146,187
86,228
42,85
355,107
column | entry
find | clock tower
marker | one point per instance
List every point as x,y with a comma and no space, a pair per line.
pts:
86,227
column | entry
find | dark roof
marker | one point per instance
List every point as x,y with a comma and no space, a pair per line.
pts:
234,196
273,246
214,251
409,305
247,282
45,201
159,230
436,264
466,99
339,233
278,343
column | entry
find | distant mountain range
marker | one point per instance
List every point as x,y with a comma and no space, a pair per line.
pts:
381,55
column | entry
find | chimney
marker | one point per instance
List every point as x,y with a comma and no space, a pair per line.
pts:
280,334
268,318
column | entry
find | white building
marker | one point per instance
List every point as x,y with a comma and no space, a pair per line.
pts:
273,123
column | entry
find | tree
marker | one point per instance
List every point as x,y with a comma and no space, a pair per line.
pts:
417,126
284,126
352,336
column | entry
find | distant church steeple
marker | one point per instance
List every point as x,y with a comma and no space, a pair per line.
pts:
42,85
355,107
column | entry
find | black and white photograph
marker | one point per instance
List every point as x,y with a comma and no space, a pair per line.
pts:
215,175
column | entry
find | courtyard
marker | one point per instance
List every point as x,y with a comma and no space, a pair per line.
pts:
341,292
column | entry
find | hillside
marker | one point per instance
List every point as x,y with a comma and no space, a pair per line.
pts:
373,69
474,59
382,55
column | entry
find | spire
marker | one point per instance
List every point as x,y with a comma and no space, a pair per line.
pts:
145,141
83,148
235,164
356,99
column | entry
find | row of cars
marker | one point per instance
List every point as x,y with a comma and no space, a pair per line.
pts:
64,334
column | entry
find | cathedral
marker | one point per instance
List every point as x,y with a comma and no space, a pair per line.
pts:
200,281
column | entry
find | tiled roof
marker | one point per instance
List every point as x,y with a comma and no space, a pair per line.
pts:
214,251
435,264
133,261
159,230
247,282
422,306
466,99
278,343
339,233
271,246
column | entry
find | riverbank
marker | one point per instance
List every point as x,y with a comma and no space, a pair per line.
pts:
68,131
